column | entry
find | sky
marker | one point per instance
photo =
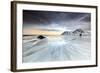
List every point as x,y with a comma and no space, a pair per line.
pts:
37,22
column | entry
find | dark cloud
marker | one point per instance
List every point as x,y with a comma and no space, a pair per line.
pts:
46,18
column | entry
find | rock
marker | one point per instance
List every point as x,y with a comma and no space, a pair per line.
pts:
41,37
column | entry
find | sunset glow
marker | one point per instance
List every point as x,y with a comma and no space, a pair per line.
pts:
41,32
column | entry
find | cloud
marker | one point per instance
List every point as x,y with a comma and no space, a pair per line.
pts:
55,20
